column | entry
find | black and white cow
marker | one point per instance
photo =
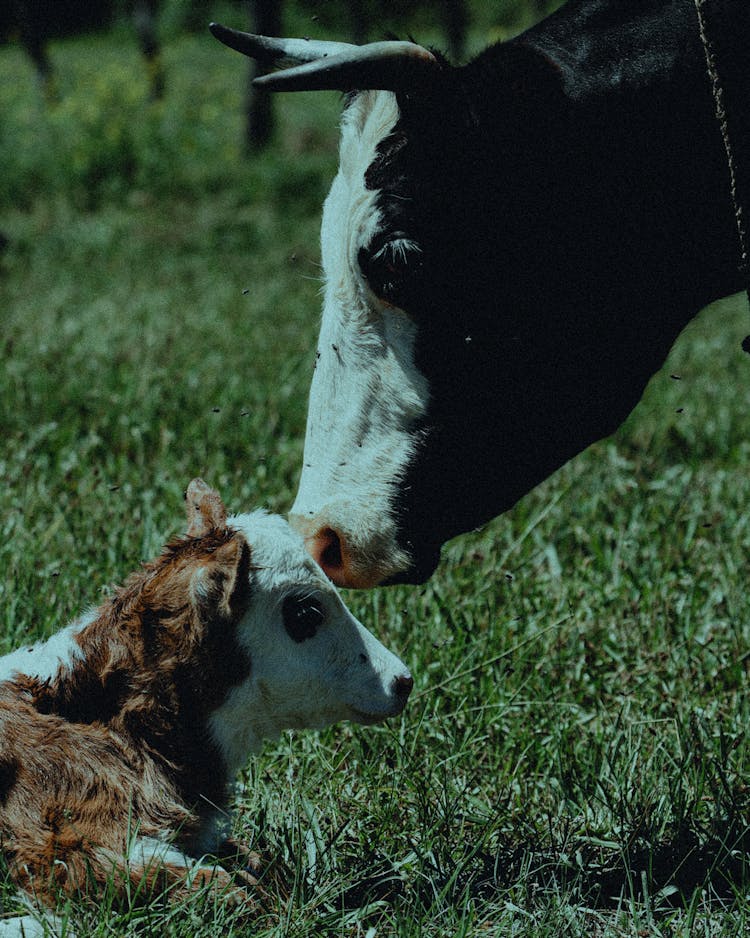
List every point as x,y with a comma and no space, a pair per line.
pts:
510,249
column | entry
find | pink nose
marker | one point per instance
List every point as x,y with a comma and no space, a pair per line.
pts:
331,551
325,547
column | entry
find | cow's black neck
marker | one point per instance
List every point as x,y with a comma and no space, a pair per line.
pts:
585,160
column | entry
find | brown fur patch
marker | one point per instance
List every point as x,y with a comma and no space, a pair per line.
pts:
118,742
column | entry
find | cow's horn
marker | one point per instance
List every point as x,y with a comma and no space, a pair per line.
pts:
333,65
272,51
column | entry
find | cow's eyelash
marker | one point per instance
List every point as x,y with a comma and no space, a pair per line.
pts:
390,267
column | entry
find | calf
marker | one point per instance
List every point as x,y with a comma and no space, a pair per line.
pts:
120,734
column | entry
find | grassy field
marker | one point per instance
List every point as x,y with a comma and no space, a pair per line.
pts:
574,760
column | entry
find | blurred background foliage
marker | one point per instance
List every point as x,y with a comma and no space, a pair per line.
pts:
93,128
85,16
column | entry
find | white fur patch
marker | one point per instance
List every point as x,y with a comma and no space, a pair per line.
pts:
150,851
45,659
29,926
35,925
342,672
366,391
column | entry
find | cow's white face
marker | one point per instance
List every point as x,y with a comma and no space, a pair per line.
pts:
367,394
311,662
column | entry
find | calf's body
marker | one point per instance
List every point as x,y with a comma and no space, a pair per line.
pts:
120,735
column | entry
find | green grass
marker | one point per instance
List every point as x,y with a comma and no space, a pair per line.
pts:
574,759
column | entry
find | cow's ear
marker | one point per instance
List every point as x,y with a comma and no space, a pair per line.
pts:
205,509
221,586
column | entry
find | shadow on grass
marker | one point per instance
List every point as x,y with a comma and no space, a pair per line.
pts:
667,875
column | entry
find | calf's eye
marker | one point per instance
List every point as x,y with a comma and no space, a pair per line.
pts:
303,615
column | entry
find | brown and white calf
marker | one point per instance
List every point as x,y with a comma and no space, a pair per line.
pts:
120,734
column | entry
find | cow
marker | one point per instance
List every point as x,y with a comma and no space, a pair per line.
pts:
510,249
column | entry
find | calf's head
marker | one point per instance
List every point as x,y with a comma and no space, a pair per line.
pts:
307,661
231,636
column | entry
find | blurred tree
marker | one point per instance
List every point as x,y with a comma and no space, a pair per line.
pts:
144,19
31,22
37,21
265,19
53,19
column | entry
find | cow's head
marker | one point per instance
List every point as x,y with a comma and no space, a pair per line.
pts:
442,390
369,398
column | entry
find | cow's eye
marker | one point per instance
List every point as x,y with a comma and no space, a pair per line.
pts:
303,615
392,269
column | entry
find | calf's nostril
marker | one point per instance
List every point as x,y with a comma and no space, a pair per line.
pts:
402,686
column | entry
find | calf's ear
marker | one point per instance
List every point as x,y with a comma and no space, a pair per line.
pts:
221,588
205,509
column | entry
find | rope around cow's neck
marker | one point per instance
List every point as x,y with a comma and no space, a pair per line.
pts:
717,87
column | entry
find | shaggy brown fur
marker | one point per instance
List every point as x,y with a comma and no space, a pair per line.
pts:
116,747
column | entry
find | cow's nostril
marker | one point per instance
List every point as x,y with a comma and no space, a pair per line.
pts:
330,556
402,686
332,551
328,550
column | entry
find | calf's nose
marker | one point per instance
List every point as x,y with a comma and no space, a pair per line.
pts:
401,686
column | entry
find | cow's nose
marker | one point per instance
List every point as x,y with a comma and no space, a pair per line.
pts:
326,549
330,550
401,686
